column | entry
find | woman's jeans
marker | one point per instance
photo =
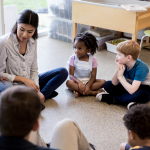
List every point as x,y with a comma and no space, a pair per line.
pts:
123,97
51,80
48,81
5,86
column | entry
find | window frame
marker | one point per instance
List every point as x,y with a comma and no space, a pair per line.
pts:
2,25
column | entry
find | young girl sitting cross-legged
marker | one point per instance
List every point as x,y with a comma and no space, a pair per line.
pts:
83,66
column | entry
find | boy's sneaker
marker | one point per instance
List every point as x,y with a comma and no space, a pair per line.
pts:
131,104
105,97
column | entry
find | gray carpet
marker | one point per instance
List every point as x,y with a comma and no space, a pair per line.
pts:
101,123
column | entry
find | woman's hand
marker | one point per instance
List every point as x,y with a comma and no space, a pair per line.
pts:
81,87
42,98
30,83
4,78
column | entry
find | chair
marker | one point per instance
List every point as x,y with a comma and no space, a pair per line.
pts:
147,34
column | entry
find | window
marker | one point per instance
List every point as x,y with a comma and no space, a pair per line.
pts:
1,18
39,6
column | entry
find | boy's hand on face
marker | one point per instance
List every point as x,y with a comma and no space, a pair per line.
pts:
120,70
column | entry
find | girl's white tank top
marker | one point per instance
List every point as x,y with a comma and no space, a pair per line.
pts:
83,69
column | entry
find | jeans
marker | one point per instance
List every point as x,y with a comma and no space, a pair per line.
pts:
51,80
48,81
123,97
5,86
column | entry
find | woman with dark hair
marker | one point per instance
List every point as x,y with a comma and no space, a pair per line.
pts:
18,59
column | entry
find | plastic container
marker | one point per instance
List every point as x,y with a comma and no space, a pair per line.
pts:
111,47
61,29
102,40
60,20
60,8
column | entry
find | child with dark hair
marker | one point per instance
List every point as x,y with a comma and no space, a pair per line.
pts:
83,66
137,123
20,108
18,59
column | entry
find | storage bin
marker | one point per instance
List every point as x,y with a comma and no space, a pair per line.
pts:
61,29
102,40
60,20
60,8
111,47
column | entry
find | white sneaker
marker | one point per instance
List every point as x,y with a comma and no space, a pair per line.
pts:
99,95
131,104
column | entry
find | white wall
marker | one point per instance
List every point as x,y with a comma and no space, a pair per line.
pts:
2,26
10,17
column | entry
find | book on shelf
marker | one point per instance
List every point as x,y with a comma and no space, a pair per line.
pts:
133,7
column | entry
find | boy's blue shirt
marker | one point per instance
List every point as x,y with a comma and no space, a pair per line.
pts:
140,148
138,72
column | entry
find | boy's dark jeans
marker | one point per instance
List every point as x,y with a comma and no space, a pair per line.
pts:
123,97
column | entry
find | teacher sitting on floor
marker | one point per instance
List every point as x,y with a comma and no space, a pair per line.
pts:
18,59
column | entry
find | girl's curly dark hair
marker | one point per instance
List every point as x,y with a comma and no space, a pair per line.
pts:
90,41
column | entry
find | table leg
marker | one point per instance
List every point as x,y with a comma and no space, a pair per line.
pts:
119,34
74,30
147,40
134,37
92,27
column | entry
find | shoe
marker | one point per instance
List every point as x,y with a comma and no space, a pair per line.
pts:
99,95
131,104
42,107
92,146
48,145
54,94
105,97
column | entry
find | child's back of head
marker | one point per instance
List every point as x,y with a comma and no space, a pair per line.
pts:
129,47
19,110
137,119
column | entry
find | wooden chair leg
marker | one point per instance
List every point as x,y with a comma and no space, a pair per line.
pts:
147,40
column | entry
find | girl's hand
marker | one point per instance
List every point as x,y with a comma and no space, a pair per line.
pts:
87,90
4,78
120,69
81,87
42,98
30,83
